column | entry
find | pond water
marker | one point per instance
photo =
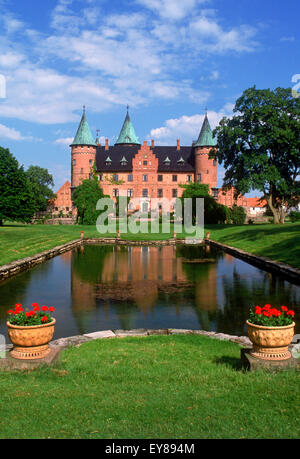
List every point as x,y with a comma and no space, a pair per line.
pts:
106,288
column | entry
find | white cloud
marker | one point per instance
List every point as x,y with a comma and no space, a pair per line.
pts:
65,141
111,60
171,9
187,128
13,134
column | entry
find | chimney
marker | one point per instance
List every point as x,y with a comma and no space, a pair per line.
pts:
145,143
178,144
152,143
106,144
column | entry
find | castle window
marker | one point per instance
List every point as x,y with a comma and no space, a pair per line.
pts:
160,178
207,171
145,163
67,209
100,178
199,178
145,178
115,192
130,178
174,178
130,193
160,193
215,162
174,193
145,193
108,161
123,161
81,170
115,177
167,161
74,162
189,178
215,192
90,162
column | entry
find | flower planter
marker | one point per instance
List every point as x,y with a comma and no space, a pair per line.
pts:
270,343
30,342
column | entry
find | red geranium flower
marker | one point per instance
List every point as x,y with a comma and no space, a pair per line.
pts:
34,305
44,319
284,308
51,309
44,308
291,313
10,312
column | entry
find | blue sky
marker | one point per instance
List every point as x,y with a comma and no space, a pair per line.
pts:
167,59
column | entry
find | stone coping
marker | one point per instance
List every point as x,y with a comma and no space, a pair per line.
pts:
105,334
290,273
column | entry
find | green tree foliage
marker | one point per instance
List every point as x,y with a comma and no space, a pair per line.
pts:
238,215
40,180
213,212
85,198
260,147
16,197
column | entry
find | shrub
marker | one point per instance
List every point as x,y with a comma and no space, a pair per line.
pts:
295,216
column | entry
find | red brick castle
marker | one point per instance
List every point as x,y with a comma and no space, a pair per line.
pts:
145,172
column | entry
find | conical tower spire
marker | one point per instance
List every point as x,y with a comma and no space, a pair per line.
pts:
84,135
127,134
205,138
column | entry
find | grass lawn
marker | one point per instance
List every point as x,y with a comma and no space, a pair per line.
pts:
278,242
180,387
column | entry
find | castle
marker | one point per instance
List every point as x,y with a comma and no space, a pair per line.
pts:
143,172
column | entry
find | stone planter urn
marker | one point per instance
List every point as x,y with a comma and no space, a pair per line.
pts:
271,343
30,342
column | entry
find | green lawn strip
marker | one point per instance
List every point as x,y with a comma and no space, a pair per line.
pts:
277,242
156,387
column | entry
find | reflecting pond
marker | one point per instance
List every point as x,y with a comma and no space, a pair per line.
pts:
100,287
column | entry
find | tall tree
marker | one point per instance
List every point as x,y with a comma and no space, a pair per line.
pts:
260,147
40,181
214,212
85,198
16,197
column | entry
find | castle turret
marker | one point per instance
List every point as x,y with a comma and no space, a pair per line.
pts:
127,135
83,152
206,170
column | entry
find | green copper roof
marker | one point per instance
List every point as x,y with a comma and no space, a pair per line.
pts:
127,134
205,138
84,135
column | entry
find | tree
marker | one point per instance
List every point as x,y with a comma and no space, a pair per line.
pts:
238,215
16,197
85,198
259,147
40,180
213,212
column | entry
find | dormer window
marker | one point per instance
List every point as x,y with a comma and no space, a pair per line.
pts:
108,161
167,161
123,161
181,161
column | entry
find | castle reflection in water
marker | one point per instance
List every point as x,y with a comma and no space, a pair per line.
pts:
105,287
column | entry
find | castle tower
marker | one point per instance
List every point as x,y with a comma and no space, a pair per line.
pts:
127,135
206,170
83,153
